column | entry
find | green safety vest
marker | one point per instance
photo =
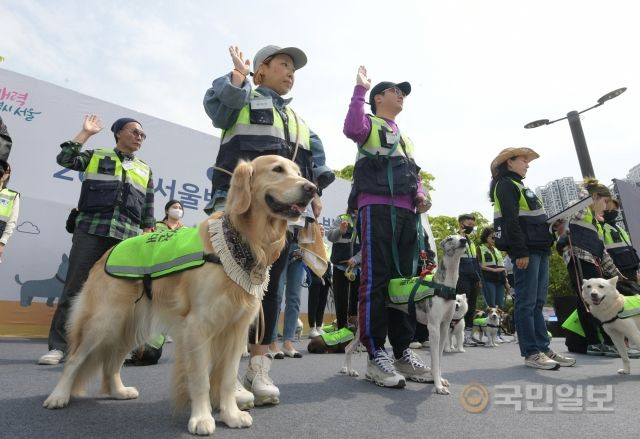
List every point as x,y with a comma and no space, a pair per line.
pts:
620,248
253,128
631,308
161,225
610,233
109,182
342,335
587,234
400,289
490,258
532,221
156,254
7,201
380,140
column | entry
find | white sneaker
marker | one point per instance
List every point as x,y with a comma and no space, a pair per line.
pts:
412,367
415,345
541,361
257,381
244,398
54,356
381,371
313,332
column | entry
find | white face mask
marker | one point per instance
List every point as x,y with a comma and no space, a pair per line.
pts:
175,213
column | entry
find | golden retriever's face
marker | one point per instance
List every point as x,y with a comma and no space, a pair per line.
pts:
272,184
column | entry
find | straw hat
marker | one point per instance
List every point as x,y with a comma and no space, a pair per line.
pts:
509,153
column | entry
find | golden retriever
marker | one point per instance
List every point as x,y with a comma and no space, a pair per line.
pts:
207,313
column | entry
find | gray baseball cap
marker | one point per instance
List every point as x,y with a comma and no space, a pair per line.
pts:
297,55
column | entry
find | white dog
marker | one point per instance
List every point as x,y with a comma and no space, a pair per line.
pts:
456,327
620,315
491,329
436,311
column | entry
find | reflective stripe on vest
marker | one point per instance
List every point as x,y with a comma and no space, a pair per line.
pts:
495,257
609,240
631,307
524,210
7,199
374,146
137,176
297,128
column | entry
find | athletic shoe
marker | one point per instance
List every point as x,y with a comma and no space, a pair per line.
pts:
425,344
595,349
411,366
468,342
476,341
501,339
562,360
381,371
244,398
257,381
313,332
541,361
54,356
415,345
610,351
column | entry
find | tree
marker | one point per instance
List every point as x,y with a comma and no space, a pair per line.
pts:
346,172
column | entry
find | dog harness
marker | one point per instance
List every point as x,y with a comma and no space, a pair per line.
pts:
631,308
454,322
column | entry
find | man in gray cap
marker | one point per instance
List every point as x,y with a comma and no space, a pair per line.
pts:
256,122
116,203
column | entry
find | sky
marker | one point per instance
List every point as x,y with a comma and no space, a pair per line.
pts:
479,70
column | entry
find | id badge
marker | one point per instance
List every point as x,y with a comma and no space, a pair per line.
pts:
391,138
127,165
262,104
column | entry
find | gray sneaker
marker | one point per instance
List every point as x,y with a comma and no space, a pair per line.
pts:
541,361
381,371
411,366
562,360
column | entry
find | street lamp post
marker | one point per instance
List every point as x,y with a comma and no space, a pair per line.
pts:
573,117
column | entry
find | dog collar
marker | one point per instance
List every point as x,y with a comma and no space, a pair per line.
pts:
492,326
454,322
237,260
614,317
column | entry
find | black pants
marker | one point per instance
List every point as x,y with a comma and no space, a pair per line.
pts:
317,302
375,319
345,294
86,249
468,285
590,324
422,333
270,298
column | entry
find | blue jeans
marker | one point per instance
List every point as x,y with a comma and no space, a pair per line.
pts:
493,294
291,288
531,294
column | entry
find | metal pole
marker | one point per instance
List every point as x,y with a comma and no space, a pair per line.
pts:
581,144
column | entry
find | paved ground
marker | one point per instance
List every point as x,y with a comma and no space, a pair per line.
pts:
316,402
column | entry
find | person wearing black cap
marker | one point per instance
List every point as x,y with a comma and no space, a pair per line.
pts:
256,122
9,206
116,202
387,191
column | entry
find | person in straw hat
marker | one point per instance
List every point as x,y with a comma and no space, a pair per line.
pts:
521,230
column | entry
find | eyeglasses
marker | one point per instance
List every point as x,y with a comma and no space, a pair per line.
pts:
138,133
397,91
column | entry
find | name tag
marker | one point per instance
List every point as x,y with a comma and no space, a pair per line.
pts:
391,138
127,165
262,104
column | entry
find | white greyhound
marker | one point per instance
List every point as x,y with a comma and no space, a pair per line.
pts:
436,311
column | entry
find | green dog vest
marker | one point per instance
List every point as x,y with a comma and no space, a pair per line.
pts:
156,254
340,336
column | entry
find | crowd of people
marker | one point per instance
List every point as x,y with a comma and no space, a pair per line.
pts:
379,237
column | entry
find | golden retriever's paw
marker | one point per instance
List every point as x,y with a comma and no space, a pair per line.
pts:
125,393
202,425
56,401
444,382
625,371
237,419
440,390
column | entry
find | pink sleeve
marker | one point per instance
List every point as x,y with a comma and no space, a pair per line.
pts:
357,125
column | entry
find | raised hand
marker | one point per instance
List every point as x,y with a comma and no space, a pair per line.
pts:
92,124
362,79
240,64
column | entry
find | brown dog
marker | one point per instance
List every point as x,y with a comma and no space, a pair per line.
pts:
206,311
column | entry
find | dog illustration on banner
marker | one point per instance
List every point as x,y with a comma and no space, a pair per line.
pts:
50,288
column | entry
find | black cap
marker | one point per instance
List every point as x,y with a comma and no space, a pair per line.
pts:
384,85
120,123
